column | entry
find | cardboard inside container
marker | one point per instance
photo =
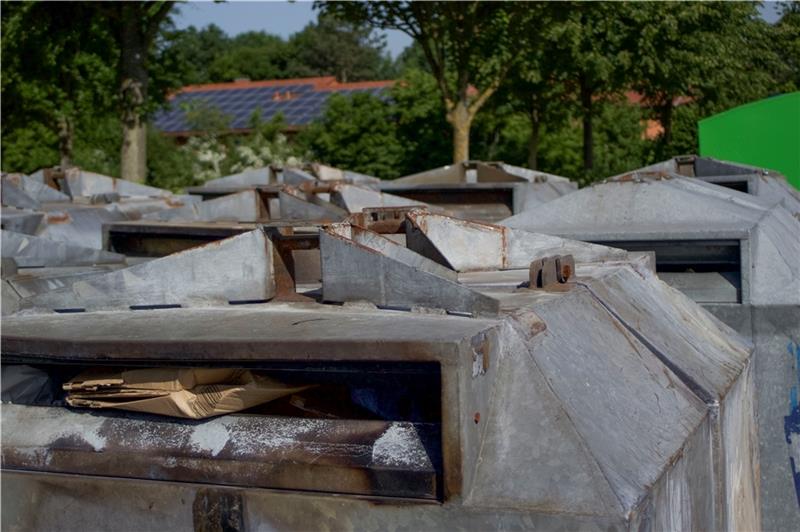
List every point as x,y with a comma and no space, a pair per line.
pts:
193,393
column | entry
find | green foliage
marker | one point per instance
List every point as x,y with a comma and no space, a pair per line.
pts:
421,125
168,164
29,147
253,55
469,47
191,52
786,37
358,133
351,51
60,80
55,74
619,143
327,47
97,144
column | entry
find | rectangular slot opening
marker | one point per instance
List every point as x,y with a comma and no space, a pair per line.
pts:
740,183
159,243
354,428
708,271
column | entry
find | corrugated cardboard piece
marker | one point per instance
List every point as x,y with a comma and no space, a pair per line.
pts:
193,393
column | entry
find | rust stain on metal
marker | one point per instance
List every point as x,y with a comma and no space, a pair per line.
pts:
59,218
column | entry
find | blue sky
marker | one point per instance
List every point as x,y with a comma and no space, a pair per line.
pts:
279,18
286,18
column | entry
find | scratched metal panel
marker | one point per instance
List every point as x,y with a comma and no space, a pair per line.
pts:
296,208
355,198
82,183
342,456
235,269
242,206
247,178
103,504
21,221
31,281
34,188
81,226
683,497
530,455
392,283
445,174
708,355
34,251
13,196
633,412
471,246
683,208
740,446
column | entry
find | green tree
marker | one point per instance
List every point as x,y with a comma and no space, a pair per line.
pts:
424,132
252,55
356,132
469,46
716,53
787,44
135,25
191,52
585,42
351,51
54,74
537,89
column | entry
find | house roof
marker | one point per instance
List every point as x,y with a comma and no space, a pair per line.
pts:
300,100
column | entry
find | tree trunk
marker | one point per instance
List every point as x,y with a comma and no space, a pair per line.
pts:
533,143
461,120
666,122
66,133
133,86
588,139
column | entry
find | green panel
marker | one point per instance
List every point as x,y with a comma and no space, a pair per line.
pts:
765,133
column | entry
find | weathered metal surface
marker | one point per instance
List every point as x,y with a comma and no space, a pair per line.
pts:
79,226
354,456
236,269
21,221
35,251
236,334
690,224
13,196
102,504
9,299
608,420
614,403
683,209
775,331
297,206
82,183
28,282
245,206
34,188
469,246
455,173
247,178
207,191
357,177
297,176
472,201
354,198
397,279
766,184
155,238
